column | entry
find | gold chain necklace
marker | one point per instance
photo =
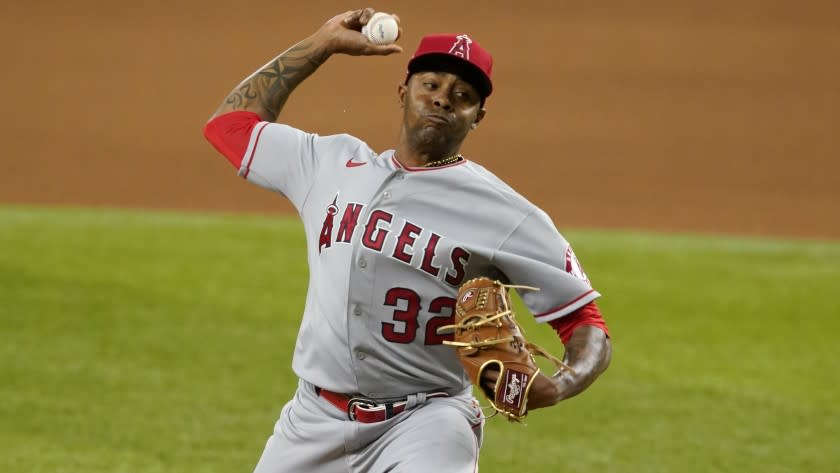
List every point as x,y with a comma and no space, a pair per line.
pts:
444,161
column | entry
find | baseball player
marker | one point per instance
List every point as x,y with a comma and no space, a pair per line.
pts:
391,236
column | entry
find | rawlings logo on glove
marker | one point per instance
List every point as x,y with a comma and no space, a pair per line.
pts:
487,336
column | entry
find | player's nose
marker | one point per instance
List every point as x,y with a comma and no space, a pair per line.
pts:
442,101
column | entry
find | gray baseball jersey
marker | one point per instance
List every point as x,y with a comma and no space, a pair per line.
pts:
388,247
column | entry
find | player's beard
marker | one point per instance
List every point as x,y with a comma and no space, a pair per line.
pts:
434,140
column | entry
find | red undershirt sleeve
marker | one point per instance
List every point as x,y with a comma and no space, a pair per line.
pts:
586,315
230,133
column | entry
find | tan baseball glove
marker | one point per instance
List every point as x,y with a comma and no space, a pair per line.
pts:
487,336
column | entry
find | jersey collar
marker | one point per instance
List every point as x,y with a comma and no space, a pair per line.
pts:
422,169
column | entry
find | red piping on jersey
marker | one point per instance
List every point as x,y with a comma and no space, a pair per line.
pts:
558,309
253,151
411,169
586,315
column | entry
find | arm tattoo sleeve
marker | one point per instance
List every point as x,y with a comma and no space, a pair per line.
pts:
266,90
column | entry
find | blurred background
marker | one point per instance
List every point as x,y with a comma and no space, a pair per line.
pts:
712,116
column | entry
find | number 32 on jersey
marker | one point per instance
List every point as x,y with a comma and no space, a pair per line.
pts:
406,319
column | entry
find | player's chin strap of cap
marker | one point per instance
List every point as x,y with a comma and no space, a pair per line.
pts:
368,411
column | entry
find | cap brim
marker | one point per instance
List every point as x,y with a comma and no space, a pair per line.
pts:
441,62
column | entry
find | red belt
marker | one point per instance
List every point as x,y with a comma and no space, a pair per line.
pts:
368,411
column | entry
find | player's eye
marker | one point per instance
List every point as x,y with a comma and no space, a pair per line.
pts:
463,95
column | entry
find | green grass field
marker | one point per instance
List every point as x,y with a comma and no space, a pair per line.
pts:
160,342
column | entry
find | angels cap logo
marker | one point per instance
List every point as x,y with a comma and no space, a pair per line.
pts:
461,47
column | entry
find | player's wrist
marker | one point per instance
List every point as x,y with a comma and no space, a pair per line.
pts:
545,392
323,44
564,381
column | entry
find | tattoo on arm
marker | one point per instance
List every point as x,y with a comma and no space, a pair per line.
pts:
588,352
266,90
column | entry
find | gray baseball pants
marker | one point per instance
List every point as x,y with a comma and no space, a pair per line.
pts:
442,435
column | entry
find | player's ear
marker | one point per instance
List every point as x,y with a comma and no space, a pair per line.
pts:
401,91
478,117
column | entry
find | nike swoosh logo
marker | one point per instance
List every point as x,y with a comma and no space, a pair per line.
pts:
352,164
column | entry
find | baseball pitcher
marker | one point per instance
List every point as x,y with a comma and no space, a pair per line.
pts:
411,253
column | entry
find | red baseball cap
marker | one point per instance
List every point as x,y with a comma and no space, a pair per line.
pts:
442,52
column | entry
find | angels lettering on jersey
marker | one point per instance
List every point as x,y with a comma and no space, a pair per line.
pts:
413,245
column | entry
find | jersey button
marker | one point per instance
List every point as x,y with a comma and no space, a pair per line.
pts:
362,263
360,355
357,310
386,195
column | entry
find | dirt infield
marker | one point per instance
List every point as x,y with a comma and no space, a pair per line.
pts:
705,116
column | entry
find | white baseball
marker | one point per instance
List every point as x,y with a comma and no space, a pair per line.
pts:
381,29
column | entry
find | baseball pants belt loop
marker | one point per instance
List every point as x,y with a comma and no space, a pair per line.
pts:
368,411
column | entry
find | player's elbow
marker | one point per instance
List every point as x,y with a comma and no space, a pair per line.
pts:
606,355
